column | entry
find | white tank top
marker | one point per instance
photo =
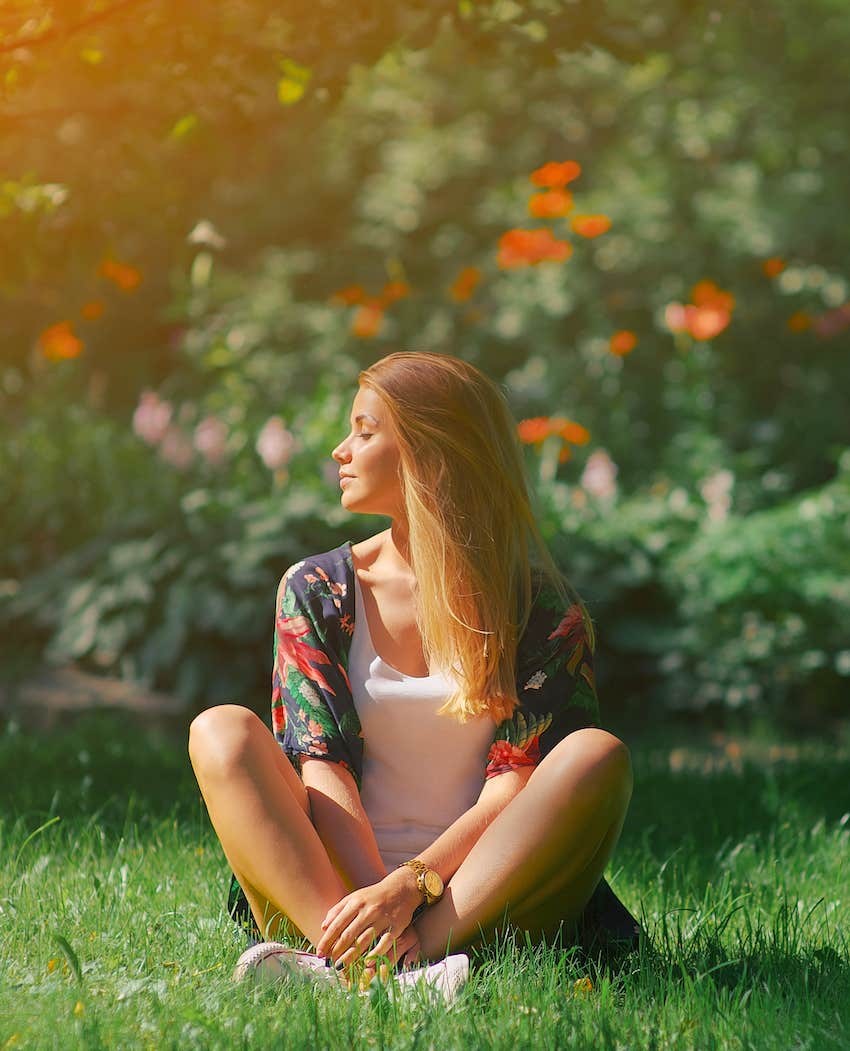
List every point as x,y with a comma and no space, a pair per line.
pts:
421,770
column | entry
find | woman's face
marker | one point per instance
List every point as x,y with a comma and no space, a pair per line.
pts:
370,456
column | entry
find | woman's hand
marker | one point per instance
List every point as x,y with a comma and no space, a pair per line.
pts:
371,919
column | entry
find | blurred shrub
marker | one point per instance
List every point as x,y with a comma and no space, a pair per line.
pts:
703,613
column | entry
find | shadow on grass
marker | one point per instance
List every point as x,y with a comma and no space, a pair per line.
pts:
699,818
93,769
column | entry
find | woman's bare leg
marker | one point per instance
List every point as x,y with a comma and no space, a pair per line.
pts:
261,814
545,852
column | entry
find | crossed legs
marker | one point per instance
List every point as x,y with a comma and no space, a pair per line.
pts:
542,856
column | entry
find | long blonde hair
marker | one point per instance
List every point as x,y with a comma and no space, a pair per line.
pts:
474,546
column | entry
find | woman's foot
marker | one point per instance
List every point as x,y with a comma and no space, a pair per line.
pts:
268,961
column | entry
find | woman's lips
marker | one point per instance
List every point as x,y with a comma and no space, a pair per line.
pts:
347,478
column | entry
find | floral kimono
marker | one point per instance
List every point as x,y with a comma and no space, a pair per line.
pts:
313,713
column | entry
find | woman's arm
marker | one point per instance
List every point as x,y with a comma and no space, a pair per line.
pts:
341,822
448,850
398,895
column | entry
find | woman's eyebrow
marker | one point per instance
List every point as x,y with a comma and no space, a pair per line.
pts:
364,416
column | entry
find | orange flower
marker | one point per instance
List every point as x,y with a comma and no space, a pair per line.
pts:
534,430
569,431
550,205
92,310
348,296
774,266
392,291
367,319
537,429
123,275
800,321
465,284
528,247
591,225
706,322
622,342
706,316
556,173
59,341
708,294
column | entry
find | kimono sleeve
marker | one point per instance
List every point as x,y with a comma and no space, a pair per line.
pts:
556,686
310,686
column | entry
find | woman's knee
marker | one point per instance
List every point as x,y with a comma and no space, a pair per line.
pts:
221,738
599,758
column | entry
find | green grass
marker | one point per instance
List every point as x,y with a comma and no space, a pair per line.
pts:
114,934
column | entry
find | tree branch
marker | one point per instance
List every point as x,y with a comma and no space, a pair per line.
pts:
63,32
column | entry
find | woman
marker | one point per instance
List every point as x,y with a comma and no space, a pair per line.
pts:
434,770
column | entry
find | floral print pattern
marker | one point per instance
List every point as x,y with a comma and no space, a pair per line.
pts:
313,712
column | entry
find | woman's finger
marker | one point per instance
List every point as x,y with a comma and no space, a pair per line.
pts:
331,914
349,936
334,930
385,947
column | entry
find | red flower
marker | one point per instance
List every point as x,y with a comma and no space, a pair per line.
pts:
299,654
504,755
622,342
572,627
278,710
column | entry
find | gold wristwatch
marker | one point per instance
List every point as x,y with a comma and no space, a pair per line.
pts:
427,880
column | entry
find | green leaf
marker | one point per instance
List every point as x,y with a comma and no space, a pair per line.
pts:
293,83
183,127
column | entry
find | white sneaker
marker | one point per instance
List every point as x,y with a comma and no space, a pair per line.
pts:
268,961
445,979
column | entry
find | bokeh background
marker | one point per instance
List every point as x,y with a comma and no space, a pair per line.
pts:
631,215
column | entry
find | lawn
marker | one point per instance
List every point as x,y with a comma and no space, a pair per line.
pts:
114,933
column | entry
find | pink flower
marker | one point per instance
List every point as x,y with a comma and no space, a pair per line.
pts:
599,477
151,418
676,317
176,448
211,440
716,490
275,444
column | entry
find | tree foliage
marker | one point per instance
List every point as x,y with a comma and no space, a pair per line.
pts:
631,215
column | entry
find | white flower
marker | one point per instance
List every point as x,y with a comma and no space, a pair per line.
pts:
204,233
275,444
293,569
536,681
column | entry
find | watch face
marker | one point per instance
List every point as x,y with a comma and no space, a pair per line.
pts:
433,883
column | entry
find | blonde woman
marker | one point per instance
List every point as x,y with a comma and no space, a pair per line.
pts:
433,771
